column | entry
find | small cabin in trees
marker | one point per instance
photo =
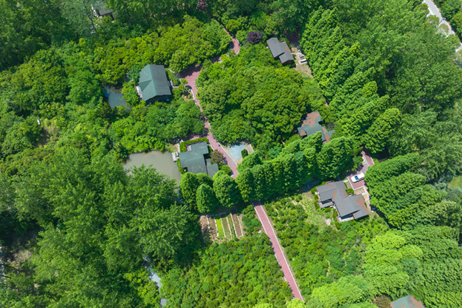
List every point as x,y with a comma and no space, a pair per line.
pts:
349,207
196,160
280,50
311,124
100,10
154,84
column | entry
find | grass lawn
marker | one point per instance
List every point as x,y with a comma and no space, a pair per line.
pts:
220,228
456,181
315,217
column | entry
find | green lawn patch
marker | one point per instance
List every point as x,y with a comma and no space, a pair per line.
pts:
220,228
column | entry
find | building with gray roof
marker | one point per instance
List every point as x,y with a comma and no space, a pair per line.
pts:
195,159
101,10
280,50
154,84
311,125
348,206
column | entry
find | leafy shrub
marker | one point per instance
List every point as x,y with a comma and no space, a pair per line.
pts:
350,191
134,73
225,168
178,163
244,153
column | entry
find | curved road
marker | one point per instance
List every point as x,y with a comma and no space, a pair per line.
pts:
191,74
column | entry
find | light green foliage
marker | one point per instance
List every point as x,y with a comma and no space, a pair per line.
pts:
130,94
320,255
205,199
295,303
348,289
144,126
178,47
235,258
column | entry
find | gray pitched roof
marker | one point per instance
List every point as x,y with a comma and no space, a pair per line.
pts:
287,55
326,192
100,8
274,47
280,50
212,169
310,125
153,82
346,205
195,162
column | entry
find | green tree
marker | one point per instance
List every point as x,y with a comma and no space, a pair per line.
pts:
188,188
226,190
335,157
206,200
378,134
246,182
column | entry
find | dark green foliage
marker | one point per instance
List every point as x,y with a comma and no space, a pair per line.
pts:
335,156
250,101
357,55
379,173
188,188
205,199
246,184
216,157
244,153
240,273
251,220
225,189
97,222
204,178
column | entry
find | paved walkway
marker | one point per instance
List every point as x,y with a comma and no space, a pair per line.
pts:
434,10
277,249
191,74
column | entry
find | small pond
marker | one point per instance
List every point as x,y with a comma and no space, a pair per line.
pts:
115,97
162,162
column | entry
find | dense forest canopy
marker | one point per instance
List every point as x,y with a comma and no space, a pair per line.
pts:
385,78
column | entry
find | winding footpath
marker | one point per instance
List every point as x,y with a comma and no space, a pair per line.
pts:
191,74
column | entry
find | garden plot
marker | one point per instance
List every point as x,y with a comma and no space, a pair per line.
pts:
225,226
